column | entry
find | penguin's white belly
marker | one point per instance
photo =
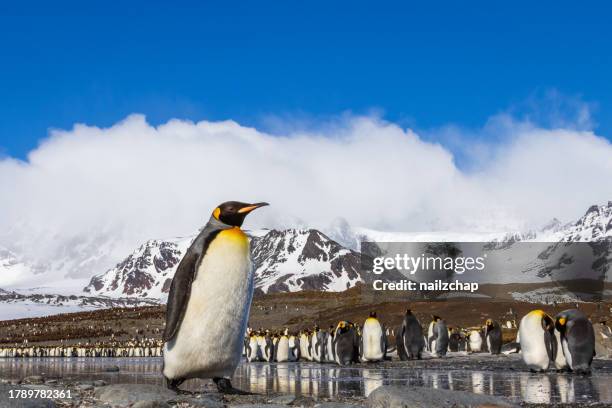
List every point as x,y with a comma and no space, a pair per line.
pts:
475,341
372,335
566,353
304,343
560,362
316,348
254,352
330,349
533,347
209,341
282,350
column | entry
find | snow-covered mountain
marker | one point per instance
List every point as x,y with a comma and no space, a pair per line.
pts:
287,260
18,305
145,273
294,260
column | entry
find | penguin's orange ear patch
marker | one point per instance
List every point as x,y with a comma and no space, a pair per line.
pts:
216,213
561,321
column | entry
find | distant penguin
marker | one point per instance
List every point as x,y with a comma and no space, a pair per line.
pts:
560,361
399,344
282,349
409,338
440,333
577,339
318,345
305,346
475,341
330,357
373,340
463,341
493,335
209,302
253,350
267,347
294,348
431,340
346,346
537,338
453,340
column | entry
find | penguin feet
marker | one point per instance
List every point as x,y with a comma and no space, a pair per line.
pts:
224,386
174,384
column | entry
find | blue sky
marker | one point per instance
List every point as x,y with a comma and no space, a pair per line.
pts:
418,65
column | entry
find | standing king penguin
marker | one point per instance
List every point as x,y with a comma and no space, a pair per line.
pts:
493,334
373,340
537,338
440,337
577,339
409,338
209,302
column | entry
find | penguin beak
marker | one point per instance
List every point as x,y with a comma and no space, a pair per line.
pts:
251,207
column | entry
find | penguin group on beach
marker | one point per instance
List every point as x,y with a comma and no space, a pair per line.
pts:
343,344
566,341
146,347
348,343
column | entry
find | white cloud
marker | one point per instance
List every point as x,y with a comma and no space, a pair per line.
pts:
88,196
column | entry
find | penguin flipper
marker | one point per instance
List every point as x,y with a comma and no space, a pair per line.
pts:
178,296
550,342
180,289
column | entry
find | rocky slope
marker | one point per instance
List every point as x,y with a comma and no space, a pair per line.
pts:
145,273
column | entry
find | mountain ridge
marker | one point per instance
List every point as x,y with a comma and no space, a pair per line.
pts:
307,259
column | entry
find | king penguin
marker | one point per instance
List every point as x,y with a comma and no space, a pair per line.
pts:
493,334
373,340
209,301
346,343
410,341
577,339
282,349
537,339
440,337
475,341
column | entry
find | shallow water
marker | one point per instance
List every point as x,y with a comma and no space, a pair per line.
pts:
330,380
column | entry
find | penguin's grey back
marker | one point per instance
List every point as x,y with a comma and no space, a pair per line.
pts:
441,337
412,333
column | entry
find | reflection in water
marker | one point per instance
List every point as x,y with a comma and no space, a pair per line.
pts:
535,389
330,380
372,379
478,382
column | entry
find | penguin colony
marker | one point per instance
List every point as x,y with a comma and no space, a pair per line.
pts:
131,348
565,342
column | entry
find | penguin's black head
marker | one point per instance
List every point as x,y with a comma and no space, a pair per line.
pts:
234,212
560,324
373,314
